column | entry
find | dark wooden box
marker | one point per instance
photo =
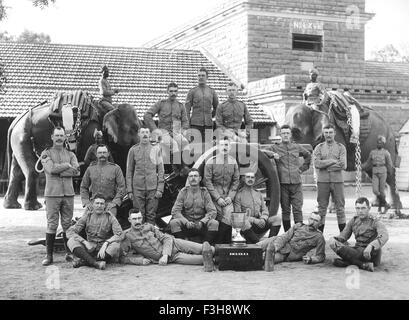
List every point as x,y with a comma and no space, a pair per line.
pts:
245,258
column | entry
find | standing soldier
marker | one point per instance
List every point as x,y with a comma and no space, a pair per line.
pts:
194,212
172,124
221,174
381,163
105,178
105,90
202,101
230,114
287,156
60,165
145,176
258,220
329,159
91,154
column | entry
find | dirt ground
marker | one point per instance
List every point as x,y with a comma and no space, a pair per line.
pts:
23,277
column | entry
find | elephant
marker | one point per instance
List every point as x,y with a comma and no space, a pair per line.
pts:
307,124
29,134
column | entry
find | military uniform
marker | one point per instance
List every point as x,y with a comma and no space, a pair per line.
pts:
59,190
221,178
99,228
106,180
290,179
172,120
194,205
229,117
145,177
248,199
380,160
106,92
330,179
152,244
368,231
296,243
202,101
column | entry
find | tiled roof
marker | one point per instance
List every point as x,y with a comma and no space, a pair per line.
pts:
389,70
36,71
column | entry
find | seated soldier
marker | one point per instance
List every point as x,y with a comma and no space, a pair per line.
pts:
103,237
295,244
157,247
194,212
258,220
370,235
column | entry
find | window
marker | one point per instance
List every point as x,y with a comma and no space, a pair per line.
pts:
307,42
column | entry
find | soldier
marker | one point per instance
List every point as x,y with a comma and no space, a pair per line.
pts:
145,176
202,101
172,124
158,247
370,236
230,114
60,165
221,175
295,244
106,91
103,233
105,178
381,163
287,156
329,159
194,212
258,220
315,92
91,154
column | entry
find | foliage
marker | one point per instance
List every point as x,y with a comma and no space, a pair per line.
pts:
391,54
36,3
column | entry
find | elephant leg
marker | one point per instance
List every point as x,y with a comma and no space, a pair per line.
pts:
395,199
30,198
15,179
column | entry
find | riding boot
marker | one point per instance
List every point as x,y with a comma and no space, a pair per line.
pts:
341,226
81,253
250,236
179,235
286,225
210,236
321,228
224,233
274,230
269,259
68,254
49,240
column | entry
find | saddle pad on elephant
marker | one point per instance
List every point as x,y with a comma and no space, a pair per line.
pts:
78,98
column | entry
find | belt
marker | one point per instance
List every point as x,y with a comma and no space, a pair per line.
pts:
378,165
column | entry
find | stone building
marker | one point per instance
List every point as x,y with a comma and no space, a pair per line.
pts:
269,46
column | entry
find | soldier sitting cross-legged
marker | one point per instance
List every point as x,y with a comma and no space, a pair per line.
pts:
103,236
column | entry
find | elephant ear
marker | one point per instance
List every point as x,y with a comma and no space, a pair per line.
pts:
111,124
122,125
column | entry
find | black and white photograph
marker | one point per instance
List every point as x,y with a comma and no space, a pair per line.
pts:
199,151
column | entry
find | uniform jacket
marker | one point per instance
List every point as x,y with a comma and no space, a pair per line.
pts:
107,180
379,160
288,164
147,241
248,198
221,177
300,239
172,116
229,115
144,169
99,228
202,101
58,182
367,231
194,206
322,153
